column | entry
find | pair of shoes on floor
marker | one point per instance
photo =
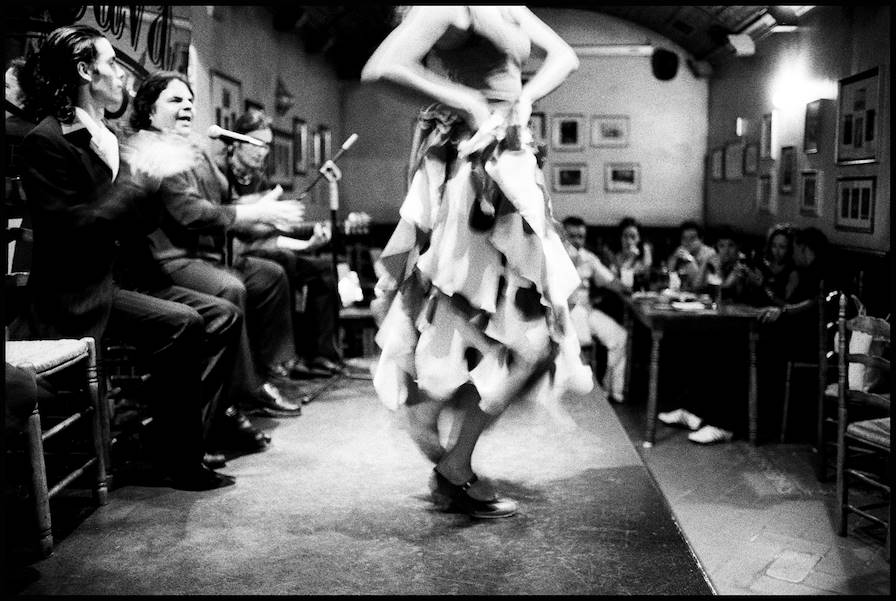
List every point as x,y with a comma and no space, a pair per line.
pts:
680,417
269,401
710,435
200,478
455,498
319,367
235,432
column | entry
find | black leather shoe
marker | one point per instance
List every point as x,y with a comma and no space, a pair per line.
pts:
214,460
299,370
324,364
238,433
200,478
457,499
268,400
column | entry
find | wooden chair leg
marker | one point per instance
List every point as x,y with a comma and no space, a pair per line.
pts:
41,496
100,427
786,409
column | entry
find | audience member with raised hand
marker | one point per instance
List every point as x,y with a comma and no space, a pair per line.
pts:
634,258
692,260
87,209
294,249
190,246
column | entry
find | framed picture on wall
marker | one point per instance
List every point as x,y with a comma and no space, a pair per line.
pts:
858,118
622,177
299,146
810,193
812,128
280,161
855,204
787,173
764,192
734,161
325,140
538,127
751,158
609,130
765,136
717,163
227,101
316,149
567,132
569,177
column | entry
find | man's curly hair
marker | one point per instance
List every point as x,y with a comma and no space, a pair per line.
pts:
51,78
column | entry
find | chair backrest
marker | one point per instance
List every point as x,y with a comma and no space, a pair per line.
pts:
862,342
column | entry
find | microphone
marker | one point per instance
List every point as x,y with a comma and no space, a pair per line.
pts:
345,146
229,137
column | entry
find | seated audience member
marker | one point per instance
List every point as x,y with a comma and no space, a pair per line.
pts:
315,324
773,279
18,119
693,259
190,246
590,321
732,265
635,256
85,205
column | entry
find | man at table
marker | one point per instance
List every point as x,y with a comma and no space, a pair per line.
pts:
693,260
589,321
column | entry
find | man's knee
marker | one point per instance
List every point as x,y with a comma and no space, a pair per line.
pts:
224,320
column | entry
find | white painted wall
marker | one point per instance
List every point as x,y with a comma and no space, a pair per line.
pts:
668,131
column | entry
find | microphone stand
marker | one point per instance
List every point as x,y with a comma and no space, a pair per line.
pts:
330,171
228,233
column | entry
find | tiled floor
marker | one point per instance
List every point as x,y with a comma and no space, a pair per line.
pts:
757,518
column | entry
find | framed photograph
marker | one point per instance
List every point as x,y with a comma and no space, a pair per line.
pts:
316,150
751,158
810,193
765,136
227,101
325,140
567,132
787,173
812,128
855,204
609,130
538,127
717,163
569,177
299,146
280,161
764,193
858,118
734,161
622,177
252,105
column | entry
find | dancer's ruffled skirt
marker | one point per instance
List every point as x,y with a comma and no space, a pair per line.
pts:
455,288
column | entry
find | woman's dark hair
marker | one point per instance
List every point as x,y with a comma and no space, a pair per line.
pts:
50,80
690,224
813,238
779,229
251,120
147,94
625,223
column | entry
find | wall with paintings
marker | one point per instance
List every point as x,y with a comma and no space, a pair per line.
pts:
240,57
825,159
646,158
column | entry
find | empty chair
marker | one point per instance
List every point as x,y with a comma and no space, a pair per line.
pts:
863,429
63,362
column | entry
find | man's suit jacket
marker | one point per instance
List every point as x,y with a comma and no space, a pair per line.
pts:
82,224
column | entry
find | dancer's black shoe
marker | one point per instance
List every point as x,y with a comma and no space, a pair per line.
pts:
457,499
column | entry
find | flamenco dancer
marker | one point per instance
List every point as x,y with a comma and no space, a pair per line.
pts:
473,309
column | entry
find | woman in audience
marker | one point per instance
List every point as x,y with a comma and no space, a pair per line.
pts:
445,259
773,278
635,256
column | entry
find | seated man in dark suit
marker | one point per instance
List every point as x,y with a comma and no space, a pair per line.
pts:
85,207
190,246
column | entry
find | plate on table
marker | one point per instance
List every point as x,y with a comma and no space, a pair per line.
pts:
688,306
